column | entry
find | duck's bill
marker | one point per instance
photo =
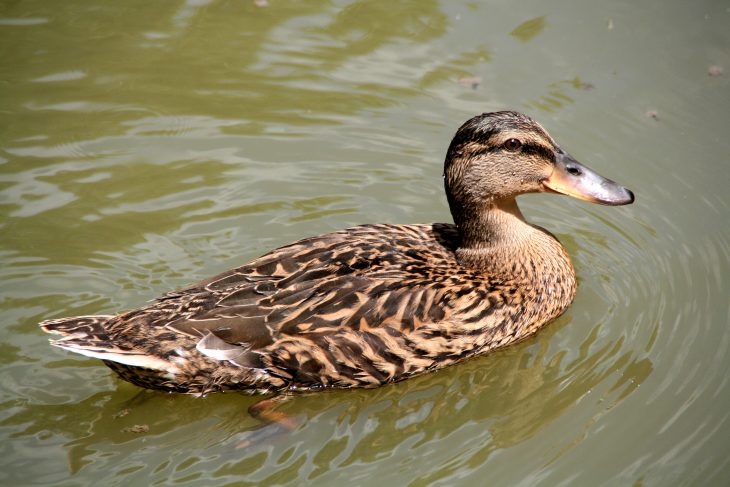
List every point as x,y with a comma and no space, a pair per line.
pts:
572,178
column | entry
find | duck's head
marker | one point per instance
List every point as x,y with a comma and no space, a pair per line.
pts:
497,156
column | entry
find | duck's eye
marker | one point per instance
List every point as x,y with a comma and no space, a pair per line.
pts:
512,145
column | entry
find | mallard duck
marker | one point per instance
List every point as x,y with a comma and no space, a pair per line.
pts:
371,304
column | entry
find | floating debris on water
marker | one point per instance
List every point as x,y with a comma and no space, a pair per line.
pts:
137,428
120,414
714,70
472,81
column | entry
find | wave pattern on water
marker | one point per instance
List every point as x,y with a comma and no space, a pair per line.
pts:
147,146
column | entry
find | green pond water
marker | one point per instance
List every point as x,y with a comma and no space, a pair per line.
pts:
147,145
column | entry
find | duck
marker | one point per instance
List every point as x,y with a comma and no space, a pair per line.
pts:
371,304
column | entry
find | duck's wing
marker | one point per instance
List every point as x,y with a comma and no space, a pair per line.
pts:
358,279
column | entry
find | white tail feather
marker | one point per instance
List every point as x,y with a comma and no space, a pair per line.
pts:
121,356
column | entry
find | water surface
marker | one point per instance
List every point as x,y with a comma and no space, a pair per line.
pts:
144,146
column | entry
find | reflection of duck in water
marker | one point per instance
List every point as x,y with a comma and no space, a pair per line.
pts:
370,304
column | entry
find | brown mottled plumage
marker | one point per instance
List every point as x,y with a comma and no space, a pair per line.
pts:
370,304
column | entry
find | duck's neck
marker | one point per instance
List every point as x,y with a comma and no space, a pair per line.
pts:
498,223
494,236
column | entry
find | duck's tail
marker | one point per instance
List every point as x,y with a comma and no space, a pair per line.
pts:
87,335
78,327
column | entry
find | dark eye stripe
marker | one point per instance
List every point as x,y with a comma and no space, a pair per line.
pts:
539,150
527,148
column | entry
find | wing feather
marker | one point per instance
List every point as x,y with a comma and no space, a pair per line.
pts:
396,277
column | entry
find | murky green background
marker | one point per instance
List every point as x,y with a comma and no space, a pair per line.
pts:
146,145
